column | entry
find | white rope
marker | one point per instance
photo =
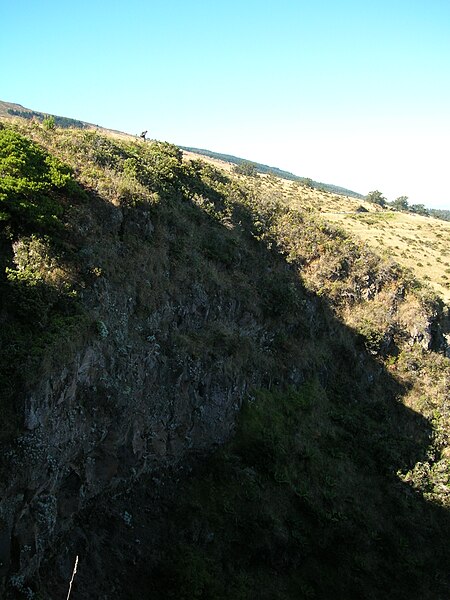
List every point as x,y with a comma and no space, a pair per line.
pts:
73,575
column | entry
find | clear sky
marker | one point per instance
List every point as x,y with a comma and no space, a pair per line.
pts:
350,92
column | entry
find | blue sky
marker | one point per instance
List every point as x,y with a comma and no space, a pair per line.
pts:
355,93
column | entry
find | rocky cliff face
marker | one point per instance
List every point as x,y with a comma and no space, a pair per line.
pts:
172,348
100,423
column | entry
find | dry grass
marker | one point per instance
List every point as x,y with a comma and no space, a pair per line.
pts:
421,244
220,164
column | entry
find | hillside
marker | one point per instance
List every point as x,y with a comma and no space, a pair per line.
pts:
10,110
208,390
420,244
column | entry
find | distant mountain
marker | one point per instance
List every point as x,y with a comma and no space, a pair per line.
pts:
260,168
10,109
17,110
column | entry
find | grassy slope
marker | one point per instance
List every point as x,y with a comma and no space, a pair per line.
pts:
5,107
419,243
337,486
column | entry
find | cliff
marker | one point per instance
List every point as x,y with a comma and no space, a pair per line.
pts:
144,300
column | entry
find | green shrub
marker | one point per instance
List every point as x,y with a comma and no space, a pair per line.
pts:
246,168
29,178
37,311
373,336
49,122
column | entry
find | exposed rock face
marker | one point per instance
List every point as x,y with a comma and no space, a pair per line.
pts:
144,389
101,422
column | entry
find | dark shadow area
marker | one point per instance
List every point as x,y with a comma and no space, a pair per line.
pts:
304,502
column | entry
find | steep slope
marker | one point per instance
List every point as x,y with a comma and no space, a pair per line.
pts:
418,243
144,301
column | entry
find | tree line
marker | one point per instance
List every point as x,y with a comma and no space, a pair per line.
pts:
401,203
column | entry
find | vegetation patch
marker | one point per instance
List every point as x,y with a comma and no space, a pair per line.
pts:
38,303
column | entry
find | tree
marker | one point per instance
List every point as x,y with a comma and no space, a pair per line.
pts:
419,209
376,197
400,203
246,168
49,122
